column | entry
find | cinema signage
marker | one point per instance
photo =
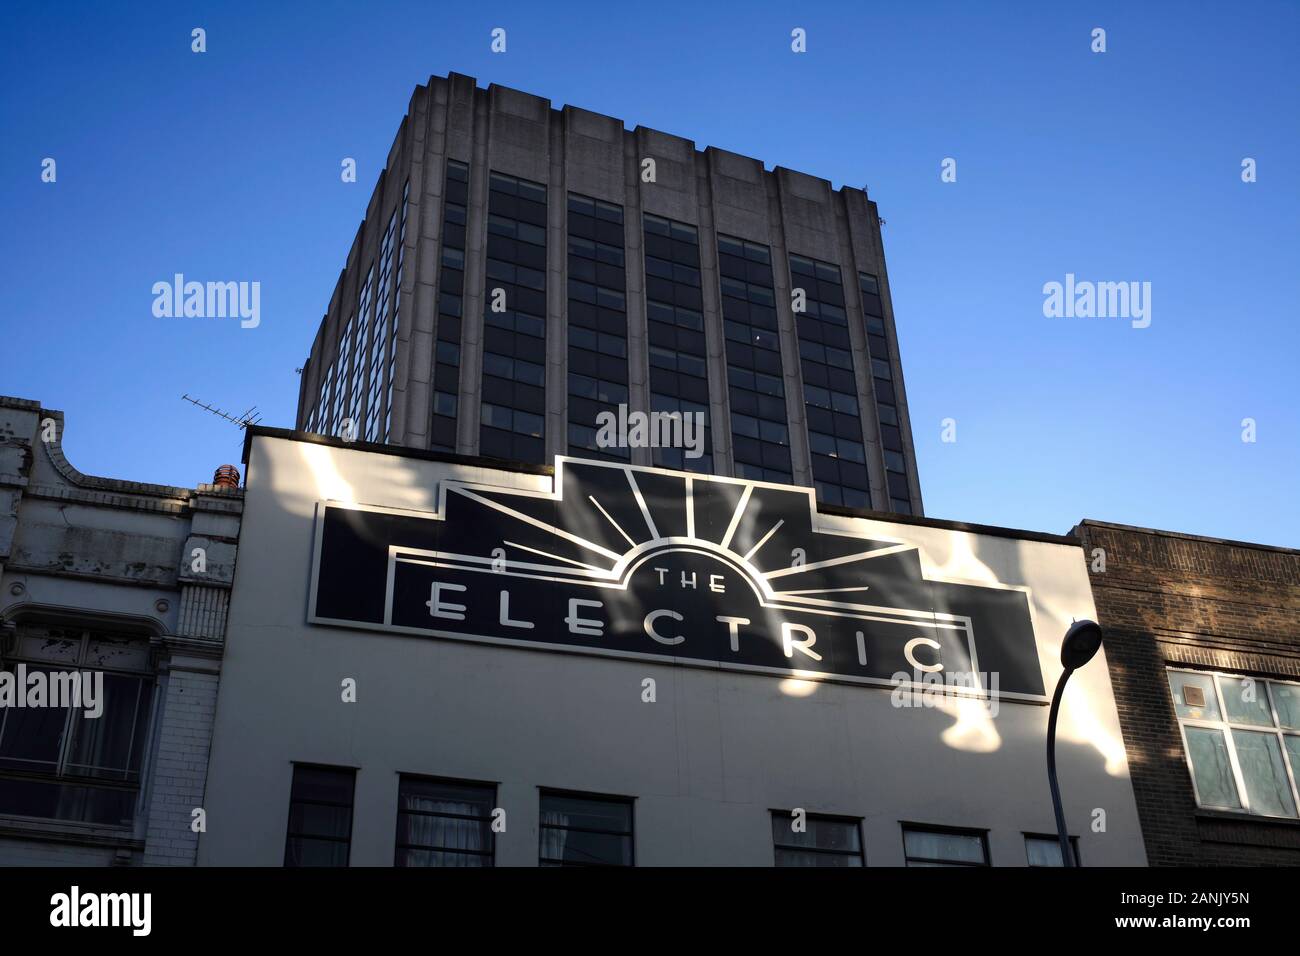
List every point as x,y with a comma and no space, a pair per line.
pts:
667,566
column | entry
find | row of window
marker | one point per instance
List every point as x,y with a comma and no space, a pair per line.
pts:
454,823
597,322
597,326
675,332
760,433
826,359
356,389
451,290
513,388
886,395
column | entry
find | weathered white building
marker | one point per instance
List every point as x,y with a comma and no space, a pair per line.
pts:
439,660
128,585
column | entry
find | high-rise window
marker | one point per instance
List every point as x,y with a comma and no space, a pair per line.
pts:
760,432
451,290
675,322
444,823
360,343
1242,740
886,391
945,846
514,322
584,830
320,816
378,344
59,763
597,322
839,457
342,373
396,315
323,409
821,841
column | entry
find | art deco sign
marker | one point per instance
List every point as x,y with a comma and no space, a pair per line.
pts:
660,565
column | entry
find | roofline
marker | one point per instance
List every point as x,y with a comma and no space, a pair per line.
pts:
288,434
1208,539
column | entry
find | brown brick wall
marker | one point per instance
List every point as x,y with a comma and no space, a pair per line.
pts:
1167,599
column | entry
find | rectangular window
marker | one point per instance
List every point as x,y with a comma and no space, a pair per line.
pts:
513,392
824,841
320,816
754,371
451,288
945,846
56,763
582,830
444,823
838,452
1241,740
1044,850
675,327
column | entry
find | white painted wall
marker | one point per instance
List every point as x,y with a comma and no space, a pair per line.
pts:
706,762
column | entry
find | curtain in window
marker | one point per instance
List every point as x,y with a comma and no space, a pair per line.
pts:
1211,767
1260,758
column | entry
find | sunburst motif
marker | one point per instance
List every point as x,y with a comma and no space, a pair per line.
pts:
582,538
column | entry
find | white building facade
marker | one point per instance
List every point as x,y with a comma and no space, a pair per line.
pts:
434,661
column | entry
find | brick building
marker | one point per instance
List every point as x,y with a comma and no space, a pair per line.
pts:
128,583
1204,655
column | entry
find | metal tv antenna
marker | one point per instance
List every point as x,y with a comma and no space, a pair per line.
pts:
250,417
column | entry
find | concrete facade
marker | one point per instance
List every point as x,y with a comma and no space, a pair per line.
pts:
573,151
706,764
112,567
1179,603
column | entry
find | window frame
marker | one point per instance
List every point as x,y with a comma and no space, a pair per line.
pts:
630,802
983,834
63,773
289,834
490,855
856,822
1053,838
1227,727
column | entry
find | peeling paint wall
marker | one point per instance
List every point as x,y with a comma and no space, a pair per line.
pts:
153,561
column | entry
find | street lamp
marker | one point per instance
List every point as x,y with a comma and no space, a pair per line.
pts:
1082,641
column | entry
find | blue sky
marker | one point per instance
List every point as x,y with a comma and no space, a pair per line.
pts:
1122,166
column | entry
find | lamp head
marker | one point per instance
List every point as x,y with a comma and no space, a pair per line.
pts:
1082,641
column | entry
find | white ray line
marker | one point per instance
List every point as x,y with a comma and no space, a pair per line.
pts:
690,507
554,557
763,540
617,528
640,500
735,518
528,519
823,591
834,561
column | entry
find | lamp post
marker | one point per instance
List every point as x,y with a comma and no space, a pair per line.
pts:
1082,641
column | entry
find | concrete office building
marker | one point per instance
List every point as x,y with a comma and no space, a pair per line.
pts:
441,660
127,584
1204,654
521,270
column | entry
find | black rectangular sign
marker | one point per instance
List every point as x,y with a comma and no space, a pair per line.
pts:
641,562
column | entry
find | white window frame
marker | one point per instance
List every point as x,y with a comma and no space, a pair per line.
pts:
1225,726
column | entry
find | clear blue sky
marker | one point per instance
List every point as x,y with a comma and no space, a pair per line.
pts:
1116,166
